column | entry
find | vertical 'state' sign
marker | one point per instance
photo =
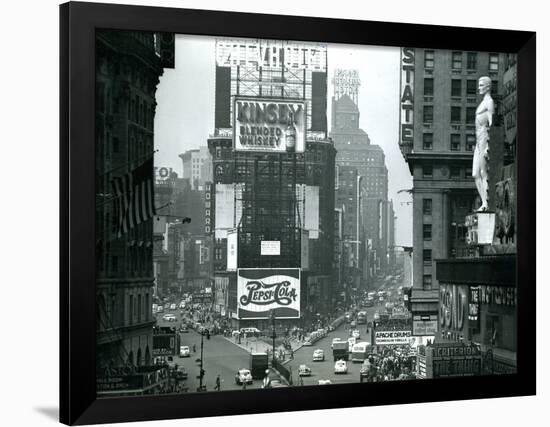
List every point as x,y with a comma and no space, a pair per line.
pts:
407,97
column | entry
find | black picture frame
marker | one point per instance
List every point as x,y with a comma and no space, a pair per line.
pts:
78,22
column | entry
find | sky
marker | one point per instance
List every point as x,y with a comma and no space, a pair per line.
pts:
185,109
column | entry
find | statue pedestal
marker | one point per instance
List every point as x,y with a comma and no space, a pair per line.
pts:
481,228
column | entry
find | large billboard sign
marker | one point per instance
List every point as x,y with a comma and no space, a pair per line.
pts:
232,248
271,53
260,290
269,125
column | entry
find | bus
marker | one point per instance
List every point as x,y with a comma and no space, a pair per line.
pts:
359,351
362,318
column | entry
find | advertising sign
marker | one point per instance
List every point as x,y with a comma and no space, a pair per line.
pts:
270,247
304,249
164,344
452,307
225,209
455,360
260,290
269,125
406,128
232,249
392,337
424,327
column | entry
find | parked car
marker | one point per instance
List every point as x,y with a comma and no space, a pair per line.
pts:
324,382
243,376
304,371
356,334
319,355
181,373
340,367
172,306
169,318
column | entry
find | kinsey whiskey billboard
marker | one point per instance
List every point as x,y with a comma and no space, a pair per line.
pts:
272,125
261,290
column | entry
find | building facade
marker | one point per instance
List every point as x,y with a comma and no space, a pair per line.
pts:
262,193
438,102
197,167
128,67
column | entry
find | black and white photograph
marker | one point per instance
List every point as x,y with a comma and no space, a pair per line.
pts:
284,213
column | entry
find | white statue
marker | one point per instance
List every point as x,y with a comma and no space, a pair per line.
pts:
484,120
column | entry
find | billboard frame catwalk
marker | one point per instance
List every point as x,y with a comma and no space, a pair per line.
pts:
275,239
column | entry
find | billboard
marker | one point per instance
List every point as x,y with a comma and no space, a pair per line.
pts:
269,125
225,209
260,290
270,247
232,242
392,337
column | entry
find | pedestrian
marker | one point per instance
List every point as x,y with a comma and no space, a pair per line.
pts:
244,385
194,348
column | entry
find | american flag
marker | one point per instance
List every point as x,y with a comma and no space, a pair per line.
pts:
134,197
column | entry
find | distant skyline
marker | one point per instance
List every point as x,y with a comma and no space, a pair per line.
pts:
185,109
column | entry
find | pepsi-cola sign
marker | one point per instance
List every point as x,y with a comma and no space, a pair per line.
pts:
261,291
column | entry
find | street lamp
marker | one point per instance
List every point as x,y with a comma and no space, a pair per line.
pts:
201,372
272,317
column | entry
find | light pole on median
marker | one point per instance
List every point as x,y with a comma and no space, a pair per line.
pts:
272,316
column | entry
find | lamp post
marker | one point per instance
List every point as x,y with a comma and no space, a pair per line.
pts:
272,317
201,372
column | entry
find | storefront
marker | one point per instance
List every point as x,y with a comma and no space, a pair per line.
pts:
477,304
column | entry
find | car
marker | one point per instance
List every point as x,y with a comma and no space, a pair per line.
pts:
307,343
184,329
356,334
184,351
172,306
250,332
160,309
169,318
353,324
319,355
340,367
243,376
304,371
324,382
167,306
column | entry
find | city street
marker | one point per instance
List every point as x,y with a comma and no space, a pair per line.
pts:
325,370
220,356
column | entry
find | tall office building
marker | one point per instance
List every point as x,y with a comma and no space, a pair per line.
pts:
197,167
128,66
354,149
437,136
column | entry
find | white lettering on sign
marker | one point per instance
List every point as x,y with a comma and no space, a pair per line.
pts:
406,128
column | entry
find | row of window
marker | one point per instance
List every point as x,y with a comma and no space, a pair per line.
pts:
138,308
455,172
455,141
456,115
457,87
458,60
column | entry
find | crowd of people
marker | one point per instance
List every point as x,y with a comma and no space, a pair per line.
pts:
391,363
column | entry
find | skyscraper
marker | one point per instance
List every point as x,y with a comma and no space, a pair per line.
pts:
437,136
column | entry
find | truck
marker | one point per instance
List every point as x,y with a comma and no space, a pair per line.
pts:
340,350
259,363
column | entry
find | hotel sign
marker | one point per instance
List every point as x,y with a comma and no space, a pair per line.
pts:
406,128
